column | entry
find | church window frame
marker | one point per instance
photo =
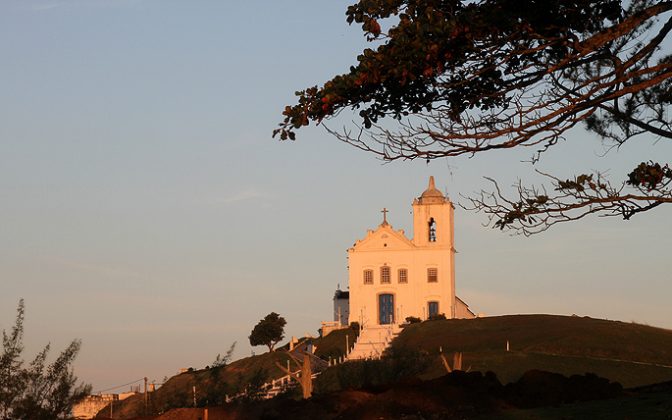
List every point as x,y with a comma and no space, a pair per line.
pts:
385,275
368,276
432,275
402,275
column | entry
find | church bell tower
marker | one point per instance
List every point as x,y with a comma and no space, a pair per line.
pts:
433,231
432,219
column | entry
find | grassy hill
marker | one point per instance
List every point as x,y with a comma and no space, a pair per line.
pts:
212,384
629,353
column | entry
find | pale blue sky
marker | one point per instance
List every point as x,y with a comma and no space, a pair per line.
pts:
146,210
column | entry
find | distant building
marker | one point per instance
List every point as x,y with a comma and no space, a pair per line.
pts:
392,277
341,307
341,313
92,404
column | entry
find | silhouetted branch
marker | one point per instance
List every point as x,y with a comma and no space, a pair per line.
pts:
534,209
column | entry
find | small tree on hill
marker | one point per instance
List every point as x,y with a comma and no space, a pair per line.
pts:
269,331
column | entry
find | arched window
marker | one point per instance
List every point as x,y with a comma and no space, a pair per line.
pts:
432,230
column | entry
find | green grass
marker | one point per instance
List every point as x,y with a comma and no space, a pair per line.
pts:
333,345
628,353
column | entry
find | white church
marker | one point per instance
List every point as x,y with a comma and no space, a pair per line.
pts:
392,277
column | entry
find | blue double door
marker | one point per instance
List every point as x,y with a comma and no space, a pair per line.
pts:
386,309
432,308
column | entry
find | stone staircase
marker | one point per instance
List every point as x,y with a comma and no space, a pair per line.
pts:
373,341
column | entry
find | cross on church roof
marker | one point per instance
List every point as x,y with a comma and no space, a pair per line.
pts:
384,211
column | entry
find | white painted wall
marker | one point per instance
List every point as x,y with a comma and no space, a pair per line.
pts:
385,246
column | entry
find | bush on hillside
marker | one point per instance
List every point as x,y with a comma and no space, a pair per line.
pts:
396,367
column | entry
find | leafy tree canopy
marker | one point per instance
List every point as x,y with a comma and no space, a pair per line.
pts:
37,391
463,77
269,331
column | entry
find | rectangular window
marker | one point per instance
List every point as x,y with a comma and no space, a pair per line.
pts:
403,275
432,275
368,276
385,274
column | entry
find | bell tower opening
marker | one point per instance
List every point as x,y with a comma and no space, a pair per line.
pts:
432,218
432,230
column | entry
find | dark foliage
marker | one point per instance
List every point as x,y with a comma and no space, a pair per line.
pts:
463,77
537,388
254,388
269,331
400,365
39,391
437,317
221,361
459,395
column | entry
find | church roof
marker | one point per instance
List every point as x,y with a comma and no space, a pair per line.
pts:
431,195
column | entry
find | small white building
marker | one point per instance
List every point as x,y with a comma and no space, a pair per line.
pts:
393,277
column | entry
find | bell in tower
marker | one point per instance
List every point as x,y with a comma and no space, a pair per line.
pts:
432,218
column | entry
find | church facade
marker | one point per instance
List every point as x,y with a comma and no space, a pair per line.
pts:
392,277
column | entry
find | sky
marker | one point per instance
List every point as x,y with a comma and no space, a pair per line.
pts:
146,210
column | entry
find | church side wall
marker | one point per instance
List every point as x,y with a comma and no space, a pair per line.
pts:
462,311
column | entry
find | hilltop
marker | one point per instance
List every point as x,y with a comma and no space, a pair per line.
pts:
627,353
